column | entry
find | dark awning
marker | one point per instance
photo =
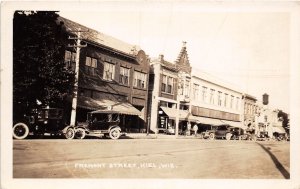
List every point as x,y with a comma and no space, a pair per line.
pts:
107,106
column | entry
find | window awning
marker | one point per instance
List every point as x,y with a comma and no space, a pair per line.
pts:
205,120
106,105
278,130
172,113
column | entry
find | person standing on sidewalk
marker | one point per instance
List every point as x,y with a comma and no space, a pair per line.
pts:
195,128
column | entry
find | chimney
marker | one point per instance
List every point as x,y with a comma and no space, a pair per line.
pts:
265,99
161,57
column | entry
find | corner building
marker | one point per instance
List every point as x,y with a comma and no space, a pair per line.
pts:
112,74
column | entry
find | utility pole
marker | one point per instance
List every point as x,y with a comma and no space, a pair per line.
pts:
78,46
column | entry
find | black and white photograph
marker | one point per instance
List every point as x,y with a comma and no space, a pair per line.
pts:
150,94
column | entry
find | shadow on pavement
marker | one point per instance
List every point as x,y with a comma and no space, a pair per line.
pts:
279,166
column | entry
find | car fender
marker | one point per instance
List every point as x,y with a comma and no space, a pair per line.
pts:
114,126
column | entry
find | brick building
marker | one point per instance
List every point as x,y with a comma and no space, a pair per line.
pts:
112,74
167,81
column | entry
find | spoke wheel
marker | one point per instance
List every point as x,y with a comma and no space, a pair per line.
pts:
211,136
80,133
114,133
20,131
70,133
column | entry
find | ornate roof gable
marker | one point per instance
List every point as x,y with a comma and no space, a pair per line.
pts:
182,61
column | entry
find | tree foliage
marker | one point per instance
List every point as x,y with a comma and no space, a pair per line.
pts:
39,71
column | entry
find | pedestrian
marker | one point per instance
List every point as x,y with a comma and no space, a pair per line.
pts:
195,128
188,130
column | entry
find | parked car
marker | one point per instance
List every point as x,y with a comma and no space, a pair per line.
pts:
99,123
225,132
40,121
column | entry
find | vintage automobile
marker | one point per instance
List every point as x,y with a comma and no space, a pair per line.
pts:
99,123
224,132
40,121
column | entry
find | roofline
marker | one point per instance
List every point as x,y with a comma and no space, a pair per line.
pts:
110,49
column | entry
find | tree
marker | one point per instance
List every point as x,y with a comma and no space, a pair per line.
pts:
39,71
285,119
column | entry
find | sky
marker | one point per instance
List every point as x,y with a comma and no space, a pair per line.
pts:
250,49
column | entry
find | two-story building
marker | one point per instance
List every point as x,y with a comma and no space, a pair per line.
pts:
112,74
251,110
268,121
169,88
215,102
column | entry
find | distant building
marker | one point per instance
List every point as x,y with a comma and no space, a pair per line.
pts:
251,110
113,74
268,120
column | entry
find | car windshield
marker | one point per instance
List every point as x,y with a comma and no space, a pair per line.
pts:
103,117
50,113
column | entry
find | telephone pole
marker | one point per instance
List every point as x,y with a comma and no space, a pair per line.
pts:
78,46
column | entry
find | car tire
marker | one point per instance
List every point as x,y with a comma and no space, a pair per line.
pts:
212,136
114,133
20,131
70,133
228,136
80,133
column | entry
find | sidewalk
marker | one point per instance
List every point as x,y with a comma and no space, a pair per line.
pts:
158,136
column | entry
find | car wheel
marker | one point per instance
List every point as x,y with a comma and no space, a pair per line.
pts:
114,133
70,133
212,136
20,131
80,133
228,136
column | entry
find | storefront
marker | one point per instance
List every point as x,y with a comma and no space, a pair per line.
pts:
167,120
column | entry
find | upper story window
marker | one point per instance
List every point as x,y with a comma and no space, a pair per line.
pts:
219,98
212,96
164,83
204,91
237,103
109,71
140,80
90,65
196,91
170,85
124,75
225,100
231,101
167,84
70,60
187,88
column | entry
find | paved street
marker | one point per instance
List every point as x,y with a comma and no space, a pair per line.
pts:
150,158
